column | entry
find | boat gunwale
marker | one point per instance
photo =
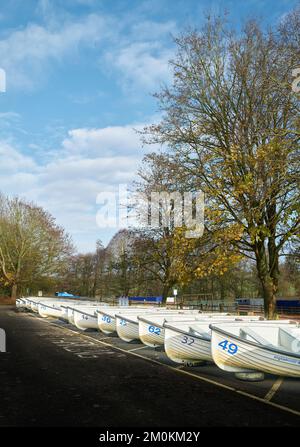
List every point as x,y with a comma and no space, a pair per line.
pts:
84,313
104,313
161,326
72,307
50,307
128,319
252,343
107,314
181,331
144,320
125,318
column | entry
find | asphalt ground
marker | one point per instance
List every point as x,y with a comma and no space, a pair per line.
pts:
55,375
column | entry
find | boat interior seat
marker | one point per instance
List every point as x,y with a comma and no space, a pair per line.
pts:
255,336
204,335
286,338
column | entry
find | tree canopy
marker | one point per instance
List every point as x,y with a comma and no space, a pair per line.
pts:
32,245
231,122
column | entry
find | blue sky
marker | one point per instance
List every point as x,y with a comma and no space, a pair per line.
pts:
80,74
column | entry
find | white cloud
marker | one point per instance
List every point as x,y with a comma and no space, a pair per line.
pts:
9,116
9,121
12,161
142,57
66,179
138,50
149,29
104,142
90,161
143,63
24,52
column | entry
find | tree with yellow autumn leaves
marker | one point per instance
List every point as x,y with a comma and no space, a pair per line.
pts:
231,125
164,251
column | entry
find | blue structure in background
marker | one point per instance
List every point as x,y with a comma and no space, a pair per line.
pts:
281,304
288,304
66,294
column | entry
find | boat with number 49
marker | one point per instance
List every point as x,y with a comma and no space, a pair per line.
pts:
189,343
268,346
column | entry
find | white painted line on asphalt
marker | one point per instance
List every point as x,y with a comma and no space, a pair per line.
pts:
190,374
275,387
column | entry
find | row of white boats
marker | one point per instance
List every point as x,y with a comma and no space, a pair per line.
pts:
243,345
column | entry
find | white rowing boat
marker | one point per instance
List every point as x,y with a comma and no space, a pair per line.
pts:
20,303
52,308
189,343
70,312
49,310
128,326
107,317
34,304
151,327
68,309
269,346
27,303
85,316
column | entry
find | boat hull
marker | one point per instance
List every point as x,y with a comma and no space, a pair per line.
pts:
64,313
34,307
49,311
27,304
186,349
127,330
151,335
249,358
20,303
71,315
106,323
84,321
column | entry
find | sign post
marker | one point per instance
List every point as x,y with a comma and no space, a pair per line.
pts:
175,295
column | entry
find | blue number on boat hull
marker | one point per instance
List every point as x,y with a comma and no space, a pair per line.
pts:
231,348
154,330
107,319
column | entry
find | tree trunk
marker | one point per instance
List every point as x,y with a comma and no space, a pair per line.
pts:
13,295
269,287
222,289
165,292
273,251
269,298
